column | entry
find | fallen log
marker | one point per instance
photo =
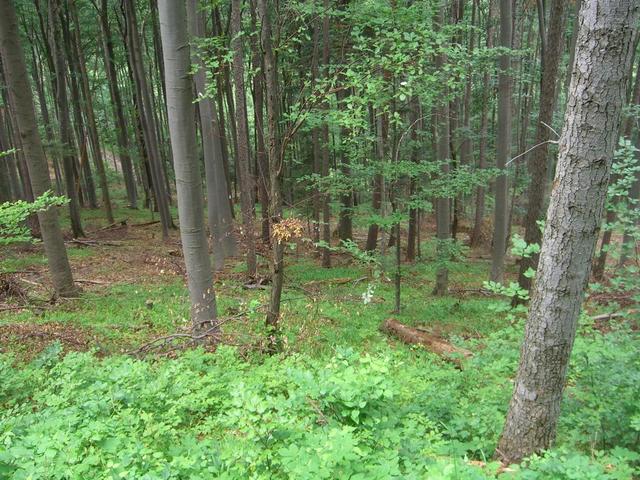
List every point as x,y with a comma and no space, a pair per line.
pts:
414,336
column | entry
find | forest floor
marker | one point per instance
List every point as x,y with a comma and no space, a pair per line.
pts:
343,400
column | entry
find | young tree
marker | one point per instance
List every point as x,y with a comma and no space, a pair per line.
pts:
590,135
18,83
182,129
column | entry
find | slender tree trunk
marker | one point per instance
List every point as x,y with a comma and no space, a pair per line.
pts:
476,235
538,157
147,119
324,167
116,103
18,83
503,147
262,164
242,129
65,122
587,144
94,140
182,129
218,207
275,172
443,223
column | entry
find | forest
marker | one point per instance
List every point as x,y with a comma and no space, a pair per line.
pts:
319,239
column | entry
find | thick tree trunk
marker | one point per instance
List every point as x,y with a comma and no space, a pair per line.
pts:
587,144
503,147
242,129
182,129
18,83
538,157
218,207
116,103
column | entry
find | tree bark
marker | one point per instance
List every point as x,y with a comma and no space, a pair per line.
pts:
182,130
18,83
503,147
588,140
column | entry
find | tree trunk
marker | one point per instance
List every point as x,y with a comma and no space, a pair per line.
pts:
538,157
262,164
587,144
503,147
182,129
275,173
18,83
324,166
218,207
94,140
443,223
116,103
242,129
147,119
476,234
65,122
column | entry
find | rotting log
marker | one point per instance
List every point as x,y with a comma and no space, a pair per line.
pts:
434,344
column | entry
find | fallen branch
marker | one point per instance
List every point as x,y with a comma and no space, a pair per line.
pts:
413,336
93,243
94,282
145,224
609,316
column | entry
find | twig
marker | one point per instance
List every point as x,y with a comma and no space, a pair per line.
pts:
527,151
95,282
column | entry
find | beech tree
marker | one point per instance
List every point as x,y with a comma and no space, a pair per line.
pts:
503,147
182,130
17,79
597,93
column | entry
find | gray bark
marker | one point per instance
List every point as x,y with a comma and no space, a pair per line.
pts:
218,207
18,83
182,130
588,140
147,119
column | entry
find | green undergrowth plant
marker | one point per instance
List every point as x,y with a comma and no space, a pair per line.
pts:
390,413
